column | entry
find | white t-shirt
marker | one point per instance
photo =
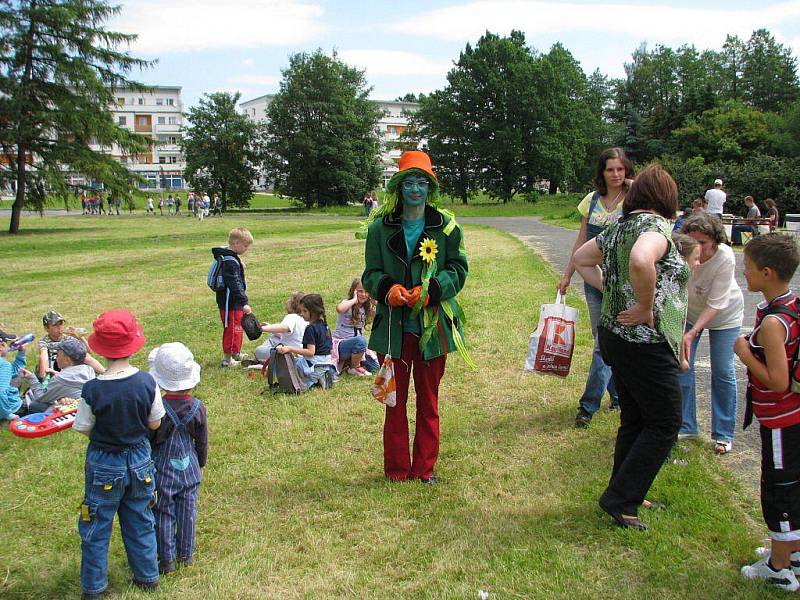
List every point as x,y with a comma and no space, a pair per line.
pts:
713,284
297,327
716,201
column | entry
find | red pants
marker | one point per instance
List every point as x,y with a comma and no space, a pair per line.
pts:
397,464
232,334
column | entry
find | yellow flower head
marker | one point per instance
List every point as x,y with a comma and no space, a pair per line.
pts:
428,250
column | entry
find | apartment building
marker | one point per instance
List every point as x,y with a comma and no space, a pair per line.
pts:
390,126
159,115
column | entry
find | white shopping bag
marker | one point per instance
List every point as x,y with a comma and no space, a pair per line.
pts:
551,345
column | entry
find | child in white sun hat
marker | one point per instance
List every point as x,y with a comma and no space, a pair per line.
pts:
180,450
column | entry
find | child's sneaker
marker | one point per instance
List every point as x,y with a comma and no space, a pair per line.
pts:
762,552
359,371
229,362
783,578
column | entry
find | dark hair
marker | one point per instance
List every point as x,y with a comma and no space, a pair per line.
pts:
775,251
707,224
315,307
654,189
684,244
605,156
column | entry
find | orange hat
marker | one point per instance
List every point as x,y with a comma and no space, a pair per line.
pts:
415,159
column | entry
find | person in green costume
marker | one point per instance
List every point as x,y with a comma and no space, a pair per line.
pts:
415,266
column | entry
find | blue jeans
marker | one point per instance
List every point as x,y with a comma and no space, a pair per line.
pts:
120,483
723,386
736,233
600,378
356,345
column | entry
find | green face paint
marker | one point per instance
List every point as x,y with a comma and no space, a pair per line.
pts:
415,189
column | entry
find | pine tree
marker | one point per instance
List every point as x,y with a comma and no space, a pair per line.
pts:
59,69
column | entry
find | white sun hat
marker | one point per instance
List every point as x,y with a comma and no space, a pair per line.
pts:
173,367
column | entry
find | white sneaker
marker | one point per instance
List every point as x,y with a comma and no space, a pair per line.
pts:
688,436
721,447
762,552
230,362
784,579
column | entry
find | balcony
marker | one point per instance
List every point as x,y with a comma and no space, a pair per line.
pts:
167,128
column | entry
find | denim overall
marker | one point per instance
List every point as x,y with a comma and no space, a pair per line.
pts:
121,483
179,479
600,377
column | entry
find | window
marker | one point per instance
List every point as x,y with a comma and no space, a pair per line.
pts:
173,139
122,120
121,101
141,101
170,102
391,129
162,160
159,102
161,120
143,122
123,159
173,159
173,120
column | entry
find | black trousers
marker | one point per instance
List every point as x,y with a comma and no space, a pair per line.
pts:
646,376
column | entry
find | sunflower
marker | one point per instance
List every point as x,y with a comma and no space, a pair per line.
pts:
428,250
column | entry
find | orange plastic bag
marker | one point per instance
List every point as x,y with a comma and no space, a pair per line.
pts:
384,387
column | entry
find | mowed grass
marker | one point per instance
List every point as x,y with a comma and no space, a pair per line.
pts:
294,503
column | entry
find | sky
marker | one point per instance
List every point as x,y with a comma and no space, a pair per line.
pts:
242,45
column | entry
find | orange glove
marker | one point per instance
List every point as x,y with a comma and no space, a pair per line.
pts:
413,296
397,296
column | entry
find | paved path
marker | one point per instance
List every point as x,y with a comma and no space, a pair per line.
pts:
555,244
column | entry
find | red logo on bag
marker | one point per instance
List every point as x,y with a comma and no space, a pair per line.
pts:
558,337
554,353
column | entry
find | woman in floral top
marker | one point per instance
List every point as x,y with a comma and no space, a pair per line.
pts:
640,331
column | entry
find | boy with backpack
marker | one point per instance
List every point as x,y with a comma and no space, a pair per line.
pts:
226,278
770,354
117,411
180,450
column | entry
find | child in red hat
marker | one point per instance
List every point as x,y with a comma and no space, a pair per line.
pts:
117,411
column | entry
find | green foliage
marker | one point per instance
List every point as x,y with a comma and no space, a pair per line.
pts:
222,149
59,69
510,118
321,137
729,132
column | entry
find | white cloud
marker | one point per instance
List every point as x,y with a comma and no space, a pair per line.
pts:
703,27
190,25
380,63
248,62
268,80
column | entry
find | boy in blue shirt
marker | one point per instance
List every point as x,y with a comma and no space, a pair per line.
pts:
10,402
117,411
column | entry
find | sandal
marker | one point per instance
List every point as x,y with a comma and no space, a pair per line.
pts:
721,447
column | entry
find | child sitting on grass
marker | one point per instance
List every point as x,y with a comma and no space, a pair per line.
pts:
288,332
314,358
180,450
350,346
10,401
768,352
71,357
117,411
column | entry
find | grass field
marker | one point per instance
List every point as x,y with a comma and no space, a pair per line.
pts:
559,209
294,504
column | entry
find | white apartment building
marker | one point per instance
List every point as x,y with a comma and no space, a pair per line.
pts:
390,126
157,114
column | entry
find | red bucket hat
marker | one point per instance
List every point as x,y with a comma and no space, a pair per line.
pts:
116,334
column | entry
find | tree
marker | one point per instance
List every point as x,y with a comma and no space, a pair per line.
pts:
438,121
769,74
222,149
59,68
321,136
732,131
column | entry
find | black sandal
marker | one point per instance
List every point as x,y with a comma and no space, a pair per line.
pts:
626,522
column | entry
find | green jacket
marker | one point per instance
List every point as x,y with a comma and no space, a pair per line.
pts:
386,264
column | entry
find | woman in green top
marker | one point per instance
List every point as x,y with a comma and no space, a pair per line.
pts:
640,330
